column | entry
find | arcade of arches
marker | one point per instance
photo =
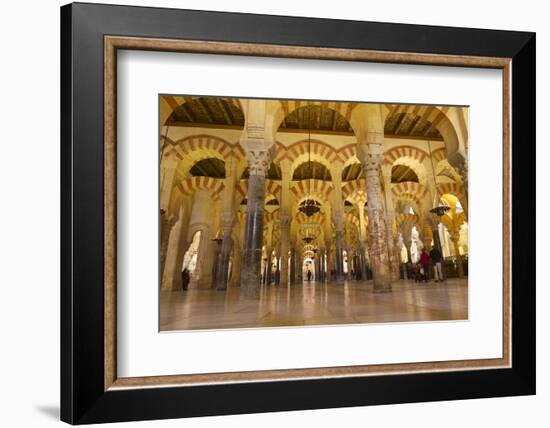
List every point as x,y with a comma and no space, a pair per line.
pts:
271,208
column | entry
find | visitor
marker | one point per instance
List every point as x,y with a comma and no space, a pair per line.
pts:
435,255
309,275
185,279
425,262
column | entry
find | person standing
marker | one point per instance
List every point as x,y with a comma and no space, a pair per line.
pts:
425,262
435,255
309,275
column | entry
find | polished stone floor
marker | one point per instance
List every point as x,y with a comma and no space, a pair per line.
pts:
314,304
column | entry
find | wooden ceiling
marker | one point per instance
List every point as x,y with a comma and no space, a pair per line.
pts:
211,167
213,112
410,125
315,118
311,170
352,172
207,112
401,173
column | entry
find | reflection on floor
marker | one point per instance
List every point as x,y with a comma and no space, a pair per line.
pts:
314,304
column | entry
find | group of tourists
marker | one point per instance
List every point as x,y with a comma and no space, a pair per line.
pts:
422,268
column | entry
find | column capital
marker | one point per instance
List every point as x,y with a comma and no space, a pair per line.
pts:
258,161
371,156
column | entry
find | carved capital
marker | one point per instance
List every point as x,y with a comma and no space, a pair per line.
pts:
371,156
258,161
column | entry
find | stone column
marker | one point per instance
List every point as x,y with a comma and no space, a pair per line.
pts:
338,218
339,256
284,224
362,237
227,220
254,226
269,267
323,265
170,268
394,260
166,225
293,263
406,232
285,218
216,265
167,172
328,265
370,153
236,267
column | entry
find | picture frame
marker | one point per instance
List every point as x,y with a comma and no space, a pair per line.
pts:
91,392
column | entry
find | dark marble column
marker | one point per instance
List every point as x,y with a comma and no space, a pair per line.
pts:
217,244
338,257
285,238
269,269
253,237
293,264
166,225
222,273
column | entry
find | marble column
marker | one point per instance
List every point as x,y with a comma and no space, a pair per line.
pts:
323,265
254,225
228,221
388,198
170,271
293,263
285,218
269,267
166,225
236,267
284,224
370,153
406,232
362,237
338,218
216,265
339,256
167,173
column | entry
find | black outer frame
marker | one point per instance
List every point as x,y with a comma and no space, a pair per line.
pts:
83,399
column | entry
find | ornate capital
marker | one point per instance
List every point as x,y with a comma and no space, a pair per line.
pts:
258,161
371,156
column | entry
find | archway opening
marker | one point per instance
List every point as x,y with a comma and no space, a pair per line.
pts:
209,167
311,170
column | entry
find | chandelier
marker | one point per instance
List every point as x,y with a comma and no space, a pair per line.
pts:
309,207
439,209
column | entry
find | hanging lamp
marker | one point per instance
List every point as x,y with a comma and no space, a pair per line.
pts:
439,209
309,207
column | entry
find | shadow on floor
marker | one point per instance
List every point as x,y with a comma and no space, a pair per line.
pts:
50,411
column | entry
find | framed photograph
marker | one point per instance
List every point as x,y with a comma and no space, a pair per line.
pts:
267,213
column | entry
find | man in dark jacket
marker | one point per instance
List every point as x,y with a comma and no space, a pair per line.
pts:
435,255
